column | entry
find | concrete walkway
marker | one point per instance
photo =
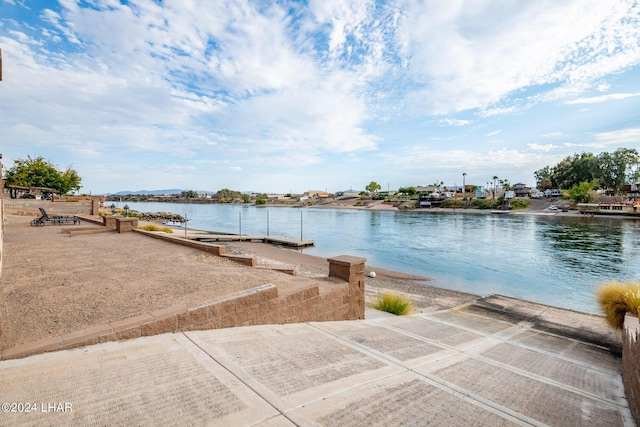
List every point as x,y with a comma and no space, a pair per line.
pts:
466,366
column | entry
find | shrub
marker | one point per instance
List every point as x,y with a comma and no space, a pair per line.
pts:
154,227
261,201
519,203
393,303
453,203
618,299
483,204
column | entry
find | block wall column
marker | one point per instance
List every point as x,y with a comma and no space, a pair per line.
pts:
109,221
124,225
95,206
351,269
631,364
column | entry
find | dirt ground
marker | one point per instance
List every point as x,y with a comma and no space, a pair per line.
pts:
54,284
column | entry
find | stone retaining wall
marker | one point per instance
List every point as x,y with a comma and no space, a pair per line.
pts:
631,364
29,207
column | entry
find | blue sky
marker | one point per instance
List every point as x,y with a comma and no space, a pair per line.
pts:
279,96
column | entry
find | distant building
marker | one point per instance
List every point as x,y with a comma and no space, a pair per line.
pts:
348,193
481,193
426,189
521,190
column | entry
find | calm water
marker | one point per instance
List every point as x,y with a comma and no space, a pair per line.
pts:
553,260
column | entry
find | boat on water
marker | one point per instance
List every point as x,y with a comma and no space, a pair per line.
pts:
173,223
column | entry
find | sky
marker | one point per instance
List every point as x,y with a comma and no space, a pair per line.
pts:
290,96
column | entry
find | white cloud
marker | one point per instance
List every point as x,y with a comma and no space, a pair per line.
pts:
496,111
603,98
454,122
280,84
544,147
619,138
553,135
474,55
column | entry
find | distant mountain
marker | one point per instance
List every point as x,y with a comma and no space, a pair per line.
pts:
150,192
157,192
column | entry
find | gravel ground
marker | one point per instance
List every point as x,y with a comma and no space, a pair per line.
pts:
53,284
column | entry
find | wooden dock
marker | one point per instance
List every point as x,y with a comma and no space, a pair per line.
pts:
276,240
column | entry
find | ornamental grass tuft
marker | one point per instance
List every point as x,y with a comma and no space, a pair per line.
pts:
618,299
393,303
153,227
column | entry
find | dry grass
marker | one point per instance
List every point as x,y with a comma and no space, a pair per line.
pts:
393,303
153,227
618,299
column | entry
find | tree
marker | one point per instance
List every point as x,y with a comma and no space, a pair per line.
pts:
225,195
190,194
608,170
543,178
407,190
614,166
464,176
40,173
495,178
580,192
373,187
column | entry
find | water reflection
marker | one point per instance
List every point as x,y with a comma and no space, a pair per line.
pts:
584,243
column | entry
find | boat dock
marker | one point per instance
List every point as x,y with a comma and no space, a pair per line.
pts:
277,240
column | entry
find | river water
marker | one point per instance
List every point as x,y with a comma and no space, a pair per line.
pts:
558,261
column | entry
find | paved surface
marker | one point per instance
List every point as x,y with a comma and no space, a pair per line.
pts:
465,366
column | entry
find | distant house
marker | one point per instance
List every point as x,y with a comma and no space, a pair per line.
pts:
348,193
427,189
432,200
481,193
521,190
276,196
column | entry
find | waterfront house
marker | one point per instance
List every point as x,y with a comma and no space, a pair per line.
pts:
348,193
521,190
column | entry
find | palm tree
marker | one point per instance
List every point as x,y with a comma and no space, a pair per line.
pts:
464,175
495,178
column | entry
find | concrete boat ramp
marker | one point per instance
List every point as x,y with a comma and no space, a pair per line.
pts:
277,240
466,366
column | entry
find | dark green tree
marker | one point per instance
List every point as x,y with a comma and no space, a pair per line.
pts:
38,172
614,167
190,194
608,170
543,178
407,190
